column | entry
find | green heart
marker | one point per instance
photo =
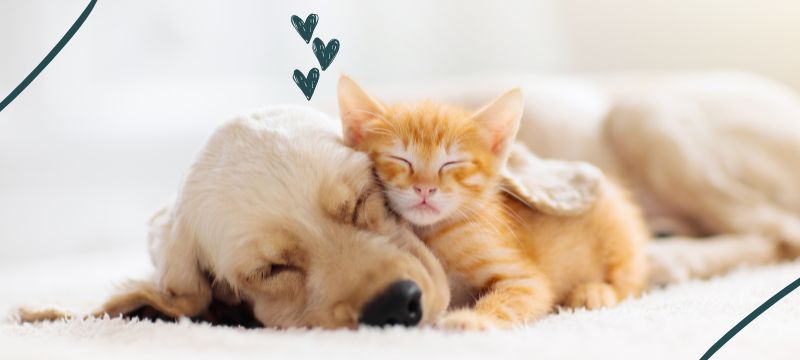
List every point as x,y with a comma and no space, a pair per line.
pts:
305,29
325,53
307,84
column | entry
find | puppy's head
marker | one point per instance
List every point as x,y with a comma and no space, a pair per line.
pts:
333,258
290,221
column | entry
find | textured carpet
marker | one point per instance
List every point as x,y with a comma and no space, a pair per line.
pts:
679,322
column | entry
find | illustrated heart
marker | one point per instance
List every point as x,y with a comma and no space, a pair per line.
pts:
325,53
307,84
305,29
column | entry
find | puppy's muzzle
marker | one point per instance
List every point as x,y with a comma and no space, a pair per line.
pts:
399,304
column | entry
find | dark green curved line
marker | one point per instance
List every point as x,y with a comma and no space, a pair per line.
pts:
749,318
50,56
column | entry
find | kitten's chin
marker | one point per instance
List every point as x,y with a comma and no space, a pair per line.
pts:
421,217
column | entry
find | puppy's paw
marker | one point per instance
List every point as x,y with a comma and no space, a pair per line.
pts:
787,233
664,270
466,320
339,201
592,296
362,205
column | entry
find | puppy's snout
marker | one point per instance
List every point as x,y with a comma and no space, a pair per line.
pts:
399,304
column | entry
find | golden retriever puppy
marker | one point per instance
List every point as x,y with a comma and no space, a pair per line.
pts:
278,216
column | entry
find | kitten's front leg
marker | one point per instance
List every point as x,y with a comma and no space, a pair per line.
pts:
467,320
511,300
512,289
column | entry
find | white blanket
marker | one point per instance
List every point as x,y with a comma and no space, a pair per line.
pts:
680,322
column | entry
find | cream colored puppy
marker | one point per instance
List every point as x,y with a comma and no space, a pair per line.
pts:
278,215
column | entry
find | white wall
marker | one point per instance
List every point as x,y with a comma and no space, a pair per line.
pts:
106,131
607,35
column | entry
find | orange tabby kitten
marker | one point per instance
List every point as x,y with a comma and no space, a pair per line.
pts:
440,169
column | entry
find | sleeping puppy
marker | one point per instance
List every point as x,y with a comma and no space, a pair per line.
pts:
278,219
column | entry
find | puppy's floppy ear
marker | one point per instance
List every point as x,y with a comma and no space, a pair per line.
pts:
551,186
356,108
500,120
143,299
179,287
140,299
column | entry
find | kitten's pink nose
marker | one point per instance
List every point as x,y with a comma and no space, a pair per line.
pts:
425,191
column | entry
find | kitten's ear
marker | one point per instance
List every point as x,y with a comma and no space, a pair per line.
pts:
500,120
356,108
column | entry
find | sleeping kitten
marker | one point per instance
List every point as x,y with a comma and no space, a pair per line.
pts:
440,169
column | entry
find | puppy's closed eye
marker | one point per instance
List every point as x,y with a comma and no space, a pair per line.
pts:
276,279
274,270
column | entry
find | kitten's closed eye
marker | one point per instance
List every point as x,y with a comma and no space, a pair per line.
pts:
451,165
404,161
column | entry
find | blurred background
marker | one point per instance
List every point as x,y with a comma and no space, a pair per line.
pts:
103,136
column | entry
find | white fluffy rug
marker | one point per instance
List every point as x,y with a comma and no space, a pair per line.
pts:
679,322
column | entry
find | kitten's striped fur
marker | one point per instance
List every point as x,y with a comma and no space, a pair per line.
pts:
515,263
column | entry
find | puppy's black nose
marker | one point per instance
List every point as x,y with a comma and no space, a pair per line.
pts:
399,304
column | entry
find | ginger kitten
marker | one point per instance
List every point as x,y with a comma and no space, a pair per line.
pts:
440,167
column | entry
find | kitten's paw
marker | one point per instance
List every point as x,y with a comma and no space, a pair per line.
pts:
466,320
592,296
